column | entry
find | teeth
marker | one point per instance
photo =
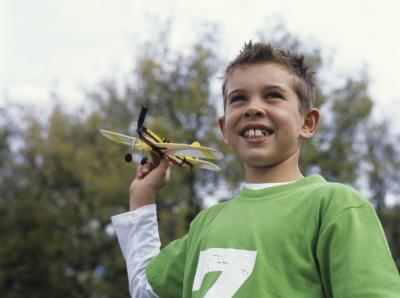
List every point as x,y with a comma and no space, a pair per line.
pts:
253,133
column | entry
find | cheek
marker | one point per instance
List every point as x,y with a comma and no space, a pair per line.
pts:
231,120
292,120
291,126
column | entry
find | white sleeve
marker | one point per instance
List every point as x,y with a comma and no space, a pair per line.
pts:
137,233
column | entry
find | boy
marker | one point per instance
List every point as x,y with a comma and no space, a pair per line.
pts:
284,235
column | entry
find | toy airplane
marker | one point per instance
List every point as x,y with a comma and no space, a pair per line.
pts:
177,154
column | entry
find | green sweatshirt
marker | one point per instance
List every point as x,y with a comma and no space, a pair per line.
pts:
306,239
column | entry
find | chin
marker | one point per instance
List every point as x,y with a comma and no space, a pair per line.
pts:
260,162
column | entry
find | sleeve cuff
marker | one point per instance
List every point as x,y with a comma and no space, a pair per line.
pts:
131,217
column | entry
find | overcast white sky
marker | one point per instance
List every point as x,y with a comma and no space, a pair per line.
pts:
66,44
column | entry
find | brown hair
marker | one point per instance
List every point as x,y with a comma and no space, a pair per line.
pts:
304,85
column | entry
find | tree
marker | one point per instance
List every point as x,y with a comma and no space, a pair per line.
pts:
382,164
53,228
6,131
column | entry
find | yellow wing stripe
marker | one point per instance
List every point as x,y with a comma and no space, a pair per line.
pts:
154,135
208,154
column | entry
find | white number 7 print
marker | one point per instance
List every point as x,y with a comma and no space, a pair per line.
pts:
235,265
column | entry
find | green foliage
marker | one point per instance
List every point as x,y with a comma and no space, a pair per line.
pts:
62,180
53,228
336,148
7,130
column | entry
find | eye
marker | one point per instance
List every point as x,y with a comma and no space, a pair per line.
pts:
273,95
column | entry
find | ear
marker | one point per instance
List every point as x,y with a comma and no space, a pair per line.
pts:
310,124
221,122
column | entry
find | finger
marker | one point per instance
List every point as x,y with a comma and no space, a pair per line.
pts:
164,162
144,161
142,170
160,164
155,159
165,169
167,173
138,170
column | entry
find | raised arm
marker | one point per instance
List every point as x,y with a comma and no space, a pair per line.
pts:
137,230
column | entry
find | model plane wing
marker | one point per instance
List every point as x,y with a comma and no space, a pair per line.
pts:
189,150
203,164
124,139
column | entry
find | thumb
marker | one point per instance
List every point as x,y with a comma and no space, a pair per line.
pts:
164,162
164,167
160,164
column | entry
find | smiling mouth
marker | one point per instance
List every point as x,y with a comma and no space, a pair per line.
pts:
256,133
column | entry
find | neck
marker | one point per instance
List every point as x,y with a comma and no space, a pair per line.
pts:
285,171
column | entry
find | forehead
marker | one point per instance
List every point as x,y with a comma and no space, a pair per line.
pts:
260,74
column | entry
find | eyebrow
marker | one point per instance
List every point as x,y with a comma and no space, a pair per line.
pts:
264,88
239,90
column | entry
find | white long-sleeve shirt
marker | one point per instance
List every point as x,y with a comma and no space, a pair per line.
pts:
138,237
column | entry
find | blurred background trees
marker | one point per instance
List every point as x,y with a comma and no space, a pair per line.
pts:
60,180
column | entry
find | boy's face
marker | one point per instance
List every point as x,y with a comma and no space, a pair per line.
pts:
262,121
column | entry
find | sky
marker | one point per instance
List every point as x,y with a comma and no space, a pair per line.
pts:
68,46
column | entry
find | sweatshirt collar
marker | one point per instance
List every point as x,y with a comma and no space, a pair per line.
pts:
306,181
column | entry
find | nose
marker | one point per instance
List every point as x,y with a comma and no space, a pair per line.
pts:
254,110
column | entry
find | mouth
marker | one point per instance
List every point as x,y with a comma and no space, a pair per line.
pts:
254,132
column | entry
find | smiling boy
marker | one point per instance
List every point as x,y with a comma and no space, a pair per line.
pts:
284,235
